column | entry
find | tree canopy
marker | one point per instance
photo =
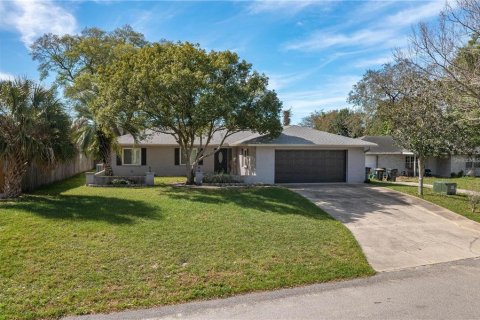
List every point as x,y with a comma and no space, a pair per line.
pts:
76,61
410,102
182,90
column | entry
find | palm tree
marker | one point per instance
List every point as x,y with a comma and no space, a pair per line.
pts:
34,127
93,138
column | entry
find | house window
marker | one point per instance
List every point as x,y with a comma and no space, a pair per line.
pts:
132,156
192,157
245,158
409,162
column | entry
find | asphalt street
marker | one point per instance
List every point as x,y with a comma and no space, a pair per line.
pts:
440,291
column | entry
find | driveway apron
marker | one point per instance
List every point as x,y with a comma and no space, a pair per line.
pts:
396,231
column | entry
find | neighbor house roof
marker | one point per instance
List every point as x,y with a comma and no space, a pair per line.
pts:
384,145
291,136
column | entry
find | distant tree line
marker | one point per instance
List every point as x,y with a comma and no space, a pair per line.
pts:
346,122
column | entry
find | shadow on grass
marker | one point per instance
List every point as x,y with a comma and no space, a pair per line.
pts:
86,208
264,199
61,186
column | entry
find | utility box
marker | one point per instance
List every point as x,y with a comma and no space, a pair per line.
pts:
443,187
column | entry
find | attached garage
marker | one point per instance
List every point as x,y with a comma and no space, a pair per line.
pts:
310,166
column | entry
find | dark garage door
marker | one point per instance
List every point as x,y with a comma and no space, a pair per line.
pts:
293,166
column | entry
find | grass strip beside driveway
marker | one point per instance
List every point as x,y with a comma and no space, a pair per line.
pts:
71,249
467,183
456,203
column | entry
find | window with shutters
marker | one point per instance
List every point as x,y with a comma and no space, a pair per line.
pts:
192,157
131,156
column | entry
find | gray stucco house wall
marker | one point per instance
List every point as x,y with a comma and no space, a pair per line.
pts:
251,156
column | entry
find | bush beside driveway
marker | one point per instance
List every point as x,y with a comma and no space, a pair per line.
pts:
70,249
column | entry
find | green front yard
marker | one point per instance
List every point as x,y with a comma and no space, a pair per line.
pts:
457,203
71,249
468,183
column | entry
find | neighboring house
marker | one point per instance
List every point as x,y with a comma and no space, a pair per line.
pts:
299,154
388,155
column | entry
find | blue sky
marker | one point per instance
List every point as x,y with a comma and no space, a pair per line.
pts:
312,51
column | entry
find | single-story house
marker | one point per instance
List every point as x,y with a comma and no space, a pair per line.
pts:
298,155
386,154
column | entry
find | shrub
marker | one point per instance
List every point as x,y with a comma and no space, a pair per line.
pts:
219,178
453,175
460,174
474,201
117,182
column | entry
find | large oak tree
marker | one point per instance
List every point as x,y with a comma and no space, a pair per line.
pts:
76,60
182,90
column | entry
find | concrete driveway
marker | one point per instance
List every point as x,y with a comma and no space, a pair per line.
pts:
396,231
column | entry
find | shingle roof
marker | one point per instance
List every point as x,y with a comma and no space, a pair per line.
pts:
155,138
291,135
296,135
385,145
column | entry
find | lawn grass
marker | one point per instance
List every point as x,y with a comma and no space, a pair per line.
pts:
71,249
457,203
467,183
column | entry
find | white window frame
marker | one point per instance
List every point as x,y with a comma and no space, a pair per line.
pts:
412,162
182,161
134,153
245,157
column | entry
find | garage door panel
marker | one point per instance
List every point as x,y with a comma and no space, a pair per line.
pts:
297,166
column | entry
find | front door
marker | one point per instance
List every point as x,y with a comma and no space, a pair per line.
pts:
221,161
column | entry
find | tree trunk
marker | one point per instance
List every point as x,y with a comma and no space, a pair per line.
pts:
188,167
105,147
421,171
15,169
190,174
107,164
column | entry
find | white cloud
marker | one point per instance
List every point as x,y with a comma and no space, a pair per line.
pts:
287,6
413,15
332,95
378,61
6,76
387,32
281,81
321,40
36,17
